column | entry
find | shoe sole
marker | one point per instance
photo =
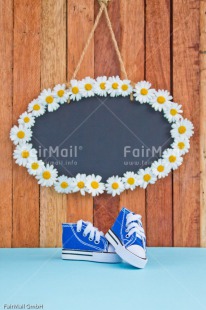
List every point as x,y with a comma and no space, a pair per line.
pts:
100,257
125,254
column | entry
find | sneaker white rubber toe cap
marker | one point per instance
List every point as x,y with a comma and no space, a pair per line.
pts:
135,255
137,250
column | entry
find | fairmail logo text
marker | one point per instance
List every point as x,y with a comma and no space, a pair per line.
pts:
71,152
142,152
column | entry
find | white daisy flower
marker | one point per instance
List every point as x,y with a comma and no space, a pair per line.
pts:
113,86
125,88
79,184
60,93
182,145
130,180
173,158
182,129
114,186
160,100
173,112
48,99
94,185
20,134
145,177
100,86
87,87
27,120
63,185
75,90
160,168
34,166
36,108
48,175
23,153
143,93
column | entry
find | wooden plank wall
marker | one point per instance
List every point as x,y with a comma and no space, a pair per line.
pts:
40,45
158,71
202,123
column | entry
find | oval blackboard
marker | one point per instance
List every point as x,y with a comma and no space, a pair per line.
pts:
105,136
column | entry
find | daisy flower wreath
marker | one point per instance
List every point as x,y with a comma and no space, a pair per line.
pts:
52,99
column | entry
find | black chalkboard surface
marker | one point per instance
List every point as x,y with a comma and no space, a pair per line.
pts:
105,136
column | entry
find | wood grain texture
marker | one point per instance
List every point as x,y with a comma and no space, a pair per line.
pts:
159,195
133,31
26,86
203,123
40,45
53,206
186,184
79,207
80,21
106,209
106,63
6,60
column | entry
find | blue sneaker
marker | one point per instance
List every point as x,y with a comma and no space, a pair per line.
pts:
128,238
82,241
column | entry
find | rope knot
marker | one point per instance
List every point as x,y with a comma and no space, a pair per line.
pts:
104,2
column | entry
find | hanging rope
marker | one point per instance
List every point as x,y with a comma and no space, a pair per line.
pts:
103,8
88,40
115,43
105,2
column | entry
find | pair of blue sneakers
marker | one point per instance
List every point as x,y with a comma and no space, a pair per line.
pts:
124,241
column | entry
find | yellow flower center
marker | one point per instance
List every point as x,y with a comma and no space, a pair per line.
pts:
124,87
182,129
161,99
34,166
115,185
64,185
80,184
88,86
102,85
144,91
160,168
26,119
147,177
173,112
25,154
36,107
60,93
115,85
49,99
181,145
172,159
94,184
131,181
20,134
46,175
75,90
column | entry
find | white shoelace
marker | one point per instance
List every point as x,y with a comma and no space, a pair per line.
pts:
93,232
134,225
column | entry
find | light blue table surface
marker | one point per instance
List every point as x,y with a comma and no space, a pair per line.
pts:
175,278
